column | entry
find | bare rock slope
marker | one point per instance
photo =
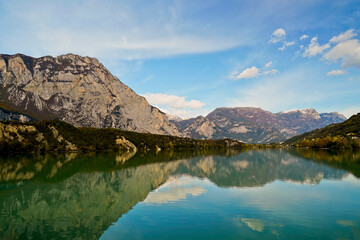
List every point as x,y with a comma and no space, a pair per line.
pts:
78,90
254,125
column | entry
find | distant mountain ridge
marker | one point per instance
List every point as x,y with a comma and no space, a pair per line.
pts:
350,127
254,125
78,90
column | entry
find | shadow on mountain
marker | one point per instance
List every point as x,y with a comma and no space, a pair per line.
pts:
74,196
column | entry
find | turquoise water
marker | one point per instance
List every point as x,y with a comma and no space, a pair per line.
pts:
267,194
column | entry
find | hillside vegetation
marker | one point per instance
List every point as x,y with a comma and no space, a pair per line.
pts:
340,135
60,136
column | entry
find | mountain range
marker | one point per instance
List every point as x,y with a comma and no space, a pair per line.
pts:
350,128
254,125
81,91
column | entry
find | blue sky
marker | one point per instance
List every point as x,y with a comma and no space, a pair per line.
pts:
189,57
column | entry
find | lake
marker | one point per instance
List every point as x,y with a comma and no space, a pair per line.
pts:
253,194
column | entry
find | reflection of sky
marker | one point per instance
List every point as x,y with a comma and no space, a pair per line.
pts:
279,210
176,189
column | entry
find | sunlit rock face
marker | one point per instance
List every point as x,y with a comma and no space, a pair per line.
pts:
254,125
78,90
200,127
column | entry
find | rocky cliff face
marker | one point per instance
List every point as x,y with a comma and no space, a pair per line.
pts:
254,125
200,127
77,90
297,122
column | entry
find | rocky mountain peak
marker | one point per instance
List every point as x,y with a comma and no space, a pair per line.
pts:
255,125
304,113
78,90
334,114
311,112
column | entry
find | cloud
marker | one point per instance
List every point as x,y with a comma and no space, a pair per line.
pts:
247,73
315,48
285,45
346,51
336,72
176,105
183,113
252,72
343,36
304,37
172,101
267,65
295,87
278,35
57,28
272,71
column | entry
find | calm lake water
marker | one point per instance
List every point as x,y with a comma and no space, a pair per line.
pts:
265,194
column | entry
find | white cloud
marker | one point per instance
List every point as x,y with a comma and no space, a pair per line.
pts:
247,73
346,49
295,87
343,36
252,72
278,35
272,71
176,105
267,65
315,48
348,52
304,37
337,72
172,101
286,44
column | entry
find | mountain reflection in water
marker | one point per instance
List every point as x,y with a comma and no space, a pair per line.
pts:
82,196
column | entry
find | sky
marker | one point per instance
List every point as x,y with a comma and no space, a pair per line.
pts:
189,57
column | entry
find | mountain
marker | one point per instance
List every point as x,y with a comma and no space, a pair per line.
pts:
349,128
82,92
199,127
305,120
173,117
254,125
78,90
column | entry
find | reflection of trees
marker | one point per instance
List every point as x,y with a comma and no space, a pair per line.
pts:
80,207
45,168
348,160
256,168
80,196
